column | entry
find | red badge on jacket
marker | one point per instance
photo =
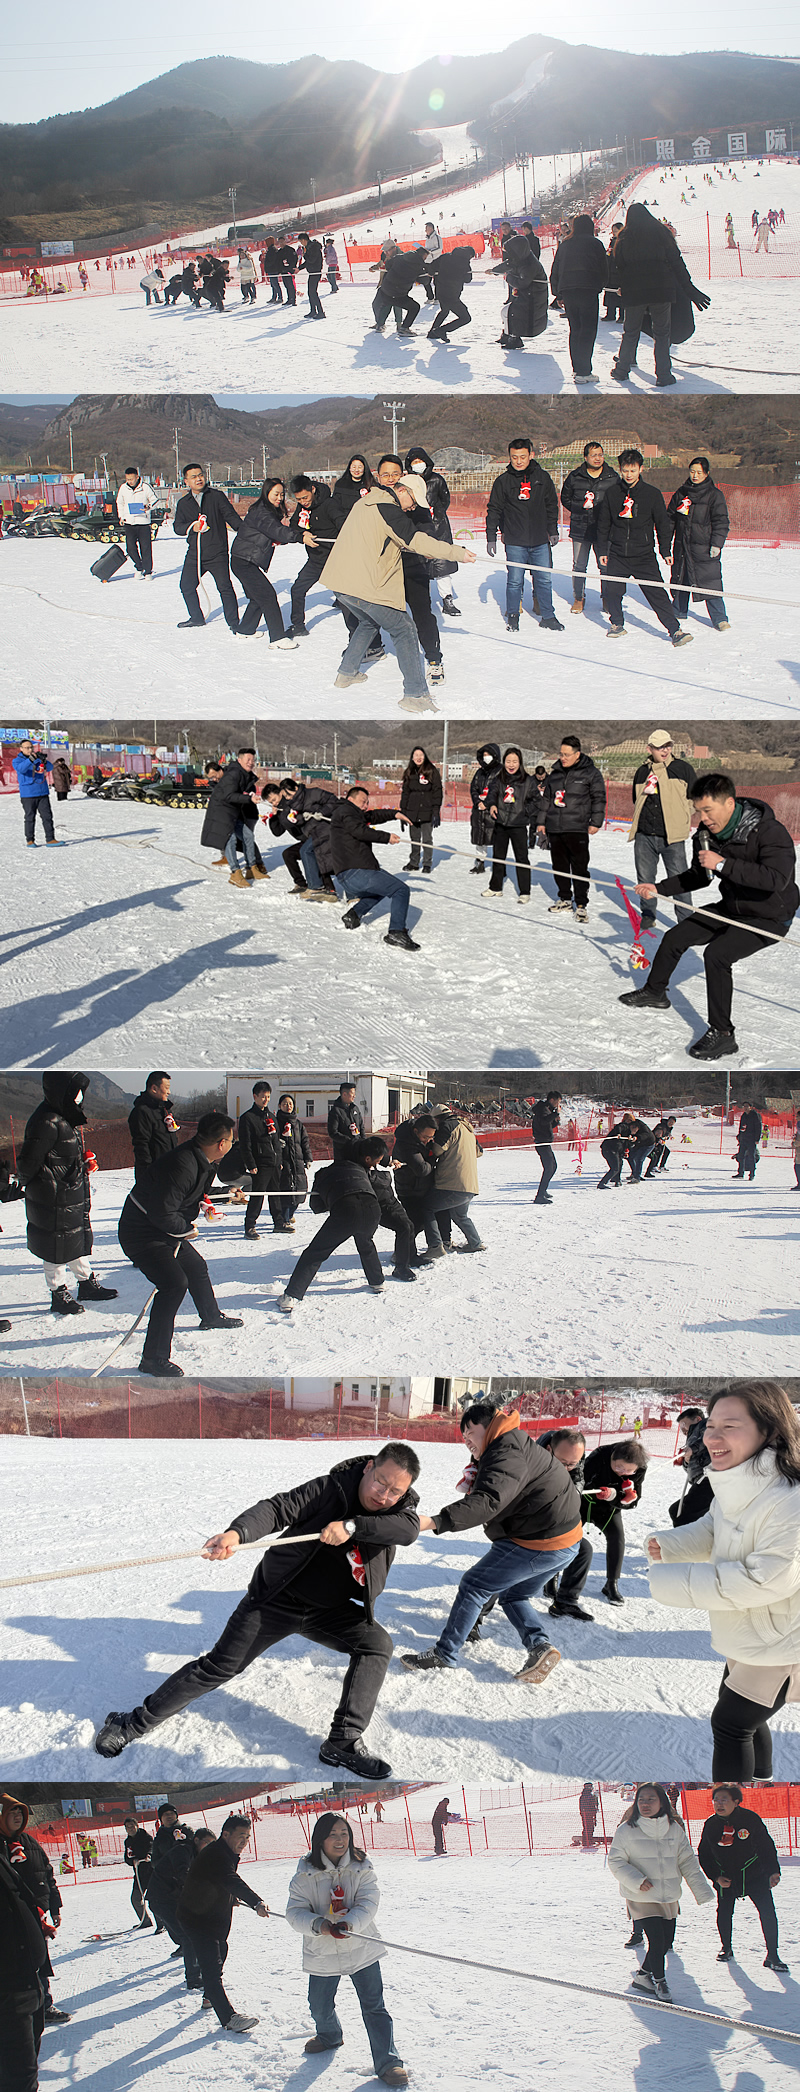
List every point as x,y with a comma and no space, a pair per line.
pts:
357,1566
684,506
626,510
588,499
525,490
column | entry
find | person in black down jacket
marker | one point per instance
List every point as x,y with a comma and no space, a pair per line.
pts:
173,1854
480,827
414,1159
262,1154
34,1876
295,1159
287,263
421,463
700,517
740,843
311,259
530,1510
421,802
510,800
353,831
523,507
212,1887
651,273
265,526
545,1123
24,1954
631,518
345,1192
156,1230
355,480
204,516
697,1495
345,1123
613,1481
750,1134
574,797
324,1589
525,309
52,1168
151,1124
136,1853
568,1446
231,817
581,495
402,272
450,273
739,1857
578,275
304,812
393,1215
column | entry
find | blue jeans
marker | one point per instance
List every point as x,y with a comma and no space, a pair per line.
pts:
517,558
369,888
456,1203
246,836
647,851
308,860
374,618
368,1986
513,1574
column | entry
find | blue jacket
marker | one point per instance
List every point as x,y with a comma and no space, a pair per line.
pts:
33,781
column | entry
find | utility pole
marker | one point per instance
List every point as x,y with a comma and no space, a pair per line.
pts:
71,455
583,176
395,417
177,459
313,188
445,743
264,460
232,195
379,172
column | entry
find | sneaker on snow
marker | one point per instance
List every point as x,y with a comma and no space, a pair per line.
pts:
346,682
634,1941
287,1303
423,703
62,1302
286,645
54,2017
490,893
241,2022
523,900
538,1665
660,1984
449,607
773,1961
616,632
578,609
349,1755
435,671
620,377
469,1249
550,624
682,638
724,625
582,915
297,632
569,1609
252,1235
394,2074
726,1954
512,624
224,1322
115,1734
661,382
612,1592
206,2005
352,920
714,1046
430,1660
316,2046
644,1981
402,940
407,1278
478,866
91,1289
159,1368
645,999
560,908
543,1199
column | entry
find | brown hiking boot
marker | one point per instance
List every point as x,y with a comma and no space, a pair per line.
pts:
538,1666
219,864
259,872
237,879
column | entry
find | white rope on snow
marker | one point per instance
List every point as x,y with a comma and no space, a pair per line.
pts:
147,1561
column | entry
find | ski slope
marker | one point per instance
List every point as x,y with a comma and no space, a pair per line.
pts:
634,1689
561,1916
129,946
116,652
686,1268
746,342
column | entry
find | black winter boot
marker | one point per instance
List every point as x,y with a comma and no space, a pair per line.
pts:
91,1289
62,1303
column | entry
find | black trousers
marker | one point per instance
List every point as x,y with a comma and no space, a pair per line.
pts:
438,1840
30,808
405,311
760,1895
418,598
398,1223
613,1532
723,946
211,1955
659,1933
308,577
294,864
19,2050
572,1579
570,859
615,1156
582,309
253,1628
139,546
218,571
261,599
659,1158
290,289
314,297
173,1276
648,576
637,1156
747,1158
345,1221
697,1501
742,1737
139,1887
518,839
549,1167
461,317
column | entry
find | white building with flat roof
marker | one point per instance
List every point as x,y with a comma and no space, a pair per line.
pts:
383,1096
363,1393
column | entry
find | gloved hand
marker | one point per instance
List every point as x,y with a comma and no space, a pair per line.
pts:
491,547
700,298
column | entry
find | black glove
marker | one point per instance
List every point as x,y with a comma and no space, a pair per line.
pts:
491,547
699,298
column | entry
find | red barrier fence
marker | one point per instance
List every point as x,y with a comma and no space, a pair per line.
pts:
763,517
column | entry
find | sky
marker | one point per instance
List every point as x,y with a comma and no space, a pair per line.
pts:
76,59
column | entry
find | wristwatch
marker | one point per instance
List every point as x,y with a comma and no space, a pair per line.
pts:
349,1525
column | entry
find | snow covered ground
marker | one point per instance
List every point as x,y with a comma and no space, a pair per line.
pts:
687,1268
116,651
562,1916
633,1691
131,949
746,342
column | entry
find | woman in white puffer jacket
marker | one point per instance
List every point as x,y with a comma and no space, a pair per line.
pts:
741,1565
332,1900
651,1858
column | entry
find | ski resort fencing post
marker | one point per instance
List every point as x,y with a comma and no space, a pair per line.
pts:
199,1410
130,1433
602,1814
708,232
526,1814
466,1820
410,1826
739,252
24,1407
13,1142
58,1410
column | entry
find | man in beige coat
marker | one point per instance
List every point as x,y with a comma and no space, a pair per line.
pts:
662,815
456,1183
365,572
